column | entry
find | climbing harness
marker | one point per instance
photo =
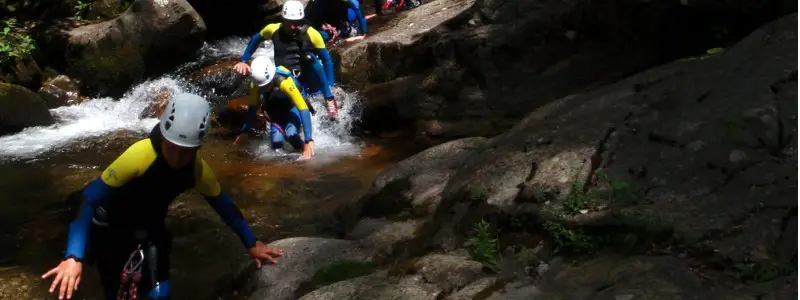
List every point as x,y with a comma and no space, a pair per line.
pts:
131,275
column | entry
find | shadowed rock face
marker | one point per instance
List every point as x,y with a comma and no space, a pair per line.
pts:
698,156
20,108
457,68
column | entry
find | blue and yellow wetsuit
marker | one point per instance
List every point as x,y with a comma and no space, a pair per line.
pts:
286,107
133,195
300,54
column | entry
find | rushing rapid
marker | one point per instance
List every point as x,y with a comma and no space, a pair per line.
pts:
100,117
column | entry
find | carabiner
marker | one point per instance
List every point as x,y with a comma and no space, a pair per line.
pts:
137,266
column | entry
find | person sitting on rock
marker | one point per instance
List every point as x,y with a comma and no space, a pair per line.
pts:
120,218
345,16
275,91
298,47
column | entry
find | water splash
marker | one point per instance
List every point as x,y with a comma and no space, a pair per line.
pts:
331,139
90,119
98,118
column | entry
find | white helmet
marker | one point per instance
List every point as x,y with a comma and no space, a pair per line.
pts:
293,10
262,70
185,120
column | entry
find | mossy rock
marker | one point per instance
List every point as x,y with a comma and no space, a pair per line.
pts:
342,270
108,68
21,108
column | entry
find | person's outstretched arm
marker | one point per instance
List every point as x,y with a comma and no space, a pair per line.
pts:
252,108
256,39
206,184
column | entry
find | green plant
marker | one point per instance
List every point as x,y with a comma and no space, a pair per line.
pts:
565,239
616,187
81,7
14,44
761,272
484,244
578,199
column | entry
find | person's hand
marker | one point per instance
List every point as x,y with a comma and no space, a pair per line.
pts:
260,252
68,276
308,150
242,68
241,138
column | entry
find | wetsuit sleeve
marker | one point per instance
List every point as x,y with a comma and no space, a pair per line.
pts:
265,33
207,185
288,87
131,164
362,22
252,107
319,45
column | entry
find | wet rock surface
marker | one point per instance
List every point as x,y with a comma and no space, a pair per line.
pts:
60,91
20,108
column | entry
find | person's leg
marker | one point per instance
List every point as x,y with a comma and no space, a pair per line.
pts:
276,135
318,76
293,130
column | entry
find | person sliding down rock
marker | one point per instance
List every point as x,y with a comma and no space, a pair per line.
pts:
341,19
275,91
299,48
120,220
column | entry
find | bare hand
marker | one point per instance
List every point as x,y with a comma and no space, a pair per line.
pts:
68,276
260,252
308,150
241,138
242,68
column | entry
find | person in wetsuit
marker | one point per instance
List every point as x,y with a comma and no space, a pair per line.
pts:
125,207
298,47
275,91
343,15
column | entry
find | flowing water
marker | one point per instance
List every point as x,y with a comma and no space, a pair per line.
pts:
278,195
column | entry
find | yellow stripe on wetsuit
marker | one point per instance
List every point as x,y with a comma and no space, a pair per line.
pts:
287,86
140,156
313,34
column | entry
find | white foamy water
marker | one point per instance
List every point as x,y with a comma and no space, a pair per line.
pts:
99,117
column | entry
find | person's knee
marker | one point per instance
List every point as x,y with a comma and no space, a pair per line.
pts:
277,141
291,130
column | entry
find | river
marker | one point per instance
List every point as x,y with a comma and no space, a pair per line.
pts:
279,196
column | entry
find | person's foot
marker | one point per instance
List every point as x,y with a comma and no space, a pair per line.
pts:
333,109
